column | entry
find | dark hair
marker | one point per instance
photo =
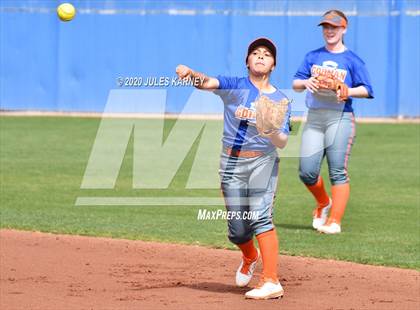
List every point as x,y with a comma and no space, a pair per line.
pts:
262,42
338,12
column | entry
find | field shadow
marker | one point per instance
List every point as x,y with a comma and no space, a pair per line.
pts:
215,287
294,226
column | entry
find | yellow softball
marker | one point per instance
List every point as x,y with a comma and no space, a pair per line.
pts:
66,12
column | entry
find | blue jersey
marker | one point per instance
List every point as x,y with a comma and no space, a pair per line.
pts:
345,66
239,131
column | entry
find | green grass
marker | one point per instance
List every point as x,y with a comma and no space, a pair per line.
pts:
43,161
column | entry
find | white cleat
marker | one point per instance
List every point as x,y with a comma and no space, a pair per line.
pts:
331,229
267,291
320,219
242,279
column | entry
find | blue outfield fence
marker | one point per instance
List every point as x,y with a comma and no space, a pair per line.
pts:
51,65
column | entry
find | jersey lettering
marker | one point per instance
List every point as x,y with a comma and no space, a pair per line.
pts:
329,69
244,113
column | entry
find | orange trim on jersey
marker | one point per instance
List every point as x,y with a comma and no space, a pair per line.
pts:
349,144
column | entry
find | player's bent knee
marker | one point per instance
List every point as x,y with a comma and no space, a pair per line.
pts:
239,232
308,177
339,177
239,238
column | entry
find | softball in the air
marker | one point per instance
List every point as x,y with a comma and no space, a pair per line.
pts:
66,12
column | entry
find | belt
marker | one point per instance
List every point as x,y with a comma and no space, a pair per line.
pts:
246,154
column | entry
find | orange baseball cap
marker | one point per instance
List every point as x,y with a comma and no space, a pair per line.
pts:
334,20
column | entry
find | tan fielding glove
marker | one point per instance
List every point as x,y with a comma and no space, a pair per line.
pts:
270,115
340,88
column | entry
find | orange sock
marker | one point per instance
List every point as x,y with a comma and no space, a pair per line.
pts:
269,248
340,197
248,250
318,190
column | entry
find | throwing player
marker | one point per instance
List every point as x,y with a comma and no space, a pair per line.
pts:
249,164
332,74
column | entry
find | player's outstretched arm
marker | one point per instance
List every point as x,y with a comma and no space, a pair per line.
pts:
203,81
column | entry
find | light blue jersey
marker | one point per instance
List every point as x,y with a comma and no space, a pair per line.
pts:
239,132
345,66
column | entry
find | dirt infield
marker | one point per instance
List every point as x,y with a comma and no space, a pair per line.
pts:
46,271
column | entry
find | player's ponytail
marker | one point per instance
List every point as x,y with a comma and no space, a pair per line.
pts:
339,13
